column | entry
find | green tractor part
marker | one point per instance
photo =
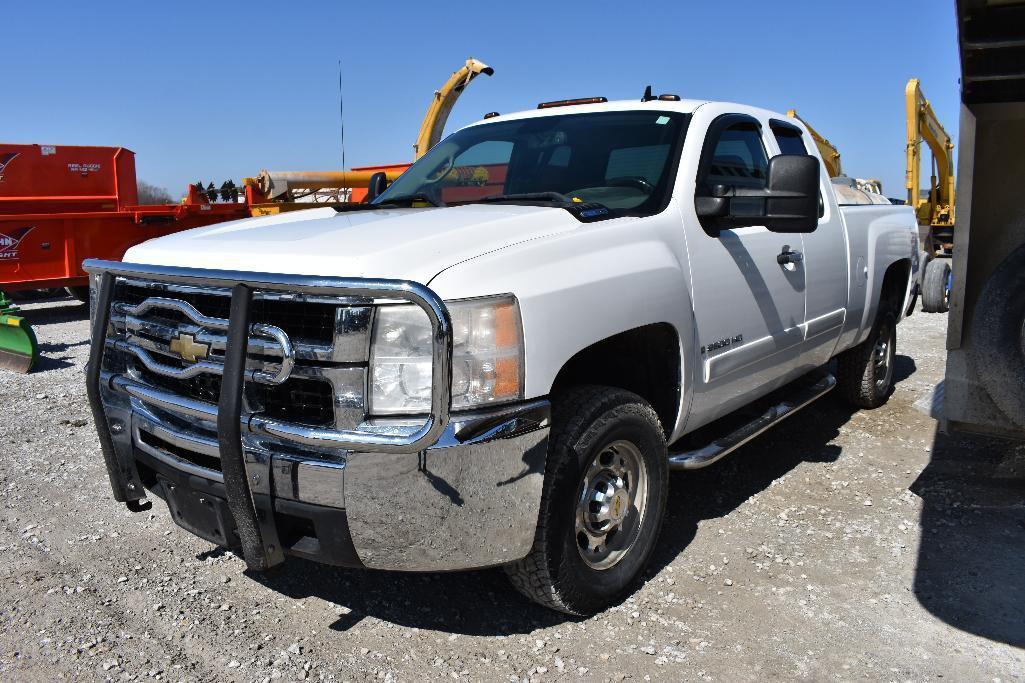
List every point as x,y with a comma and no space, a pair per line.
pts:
19,350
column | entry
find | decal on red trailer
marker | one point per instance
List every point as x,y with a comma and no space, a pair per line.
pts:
9,243
4,160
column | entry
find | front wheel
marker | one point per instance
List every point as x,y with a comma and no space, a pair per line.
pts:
604,498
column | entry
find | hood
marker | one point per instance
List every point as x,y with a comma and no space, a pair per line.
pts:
411,244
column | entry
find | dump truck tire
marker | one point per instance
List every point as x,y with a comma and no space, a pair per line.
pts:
935,292
996,351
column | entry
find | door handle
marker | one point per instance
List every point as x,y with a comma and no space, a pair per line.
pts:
789,256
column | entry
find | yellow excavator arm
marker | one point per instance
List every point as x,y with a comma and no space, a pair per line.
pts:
830,155
444,99
938,208
276,185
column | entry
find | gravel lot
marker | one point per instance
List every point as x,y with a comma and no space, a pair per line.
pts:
842,545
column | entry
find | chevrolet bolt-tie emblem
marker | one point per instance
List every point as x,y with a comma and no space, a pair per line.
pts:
186,346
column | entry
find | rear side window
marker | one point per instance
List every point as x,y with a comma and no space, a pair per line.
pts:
790,141
739,158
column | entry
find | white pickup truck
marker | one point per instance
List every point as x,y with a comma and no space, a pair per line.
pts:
497,360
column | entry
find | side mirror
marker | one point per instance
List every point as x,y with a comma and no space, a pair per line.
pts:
378,183
793,187
789,203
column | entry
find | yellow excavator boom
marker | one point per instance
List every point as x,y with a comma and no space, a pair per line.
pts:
276,186
830,155
938,208
444,99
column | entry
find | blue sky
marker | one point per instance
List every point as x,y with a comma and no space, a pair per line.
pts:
222,90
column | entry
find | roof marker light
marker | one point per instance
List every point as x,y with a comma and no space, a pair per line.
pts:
567,103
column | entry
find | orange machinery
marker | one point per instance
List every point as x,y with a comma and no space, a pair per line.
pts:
61,204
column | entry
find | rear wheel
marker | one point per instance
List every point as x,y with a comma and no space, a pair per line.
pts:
864,373
604,498
936,286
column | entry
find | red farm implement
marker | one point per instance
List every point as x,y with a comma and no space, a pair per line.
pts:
60,205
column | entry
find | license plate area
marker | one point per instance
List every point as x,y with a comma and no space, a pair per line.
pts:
200,513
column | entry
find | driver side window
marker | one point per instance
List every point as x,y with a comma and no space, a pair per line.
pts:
739,158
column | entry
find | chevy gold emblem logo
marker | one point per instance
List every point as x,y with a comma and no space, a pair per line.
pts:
186,346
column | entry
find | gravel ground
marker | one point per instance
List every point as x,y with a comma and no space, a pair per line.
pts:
842,545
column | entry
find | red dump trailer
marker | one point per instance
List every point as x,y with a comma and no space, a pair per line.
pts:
61,204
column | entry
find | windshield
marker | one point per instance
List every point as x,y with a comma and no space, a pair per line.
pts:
623,160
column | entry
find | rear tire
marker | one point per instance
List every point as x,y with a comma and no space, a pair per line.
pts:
935,286
604,497
864,373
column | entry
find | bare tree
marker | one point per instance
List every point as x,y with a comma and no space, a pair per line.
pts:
151,194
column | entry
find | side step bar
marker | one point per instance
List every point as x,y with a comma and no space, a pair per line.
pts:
713,452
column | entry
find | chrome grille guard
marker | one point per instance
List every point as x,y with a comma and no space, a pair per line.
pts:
404,290
246,476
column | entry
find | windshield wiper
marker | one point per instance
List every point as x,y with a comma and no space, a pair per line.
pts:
410,198
549,197
585,212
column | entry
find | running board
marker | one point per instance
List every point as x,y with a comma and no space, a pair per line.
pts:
706,455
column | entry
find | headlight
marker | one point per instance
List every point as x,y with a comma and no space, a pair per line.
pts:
487,356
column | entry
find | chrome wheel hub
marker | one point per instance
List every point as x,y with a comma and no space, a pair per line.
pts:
611,505
882,357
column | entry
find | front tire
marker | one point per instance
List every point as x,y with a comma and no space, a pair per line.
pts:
604,498
864,373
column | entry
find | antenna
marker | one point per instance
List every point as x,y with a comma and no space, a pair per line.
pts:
341,111
647,96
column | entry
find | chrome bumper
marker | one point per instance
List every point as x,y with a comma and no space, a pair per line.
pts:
470,501
449,492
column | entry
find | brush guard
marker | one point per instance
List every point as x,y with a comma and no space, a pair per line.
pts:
247,476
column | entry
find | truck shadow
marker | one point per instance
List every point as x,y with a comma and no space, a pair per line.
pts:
970,556
50,360
718,490
65,311
467,603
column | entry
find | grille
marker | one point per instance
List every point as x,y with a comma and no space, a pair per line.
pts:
301,400
203,387
302,321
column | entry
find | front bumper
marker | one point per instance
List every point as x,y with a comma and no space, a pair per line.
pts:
458,491
470,501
